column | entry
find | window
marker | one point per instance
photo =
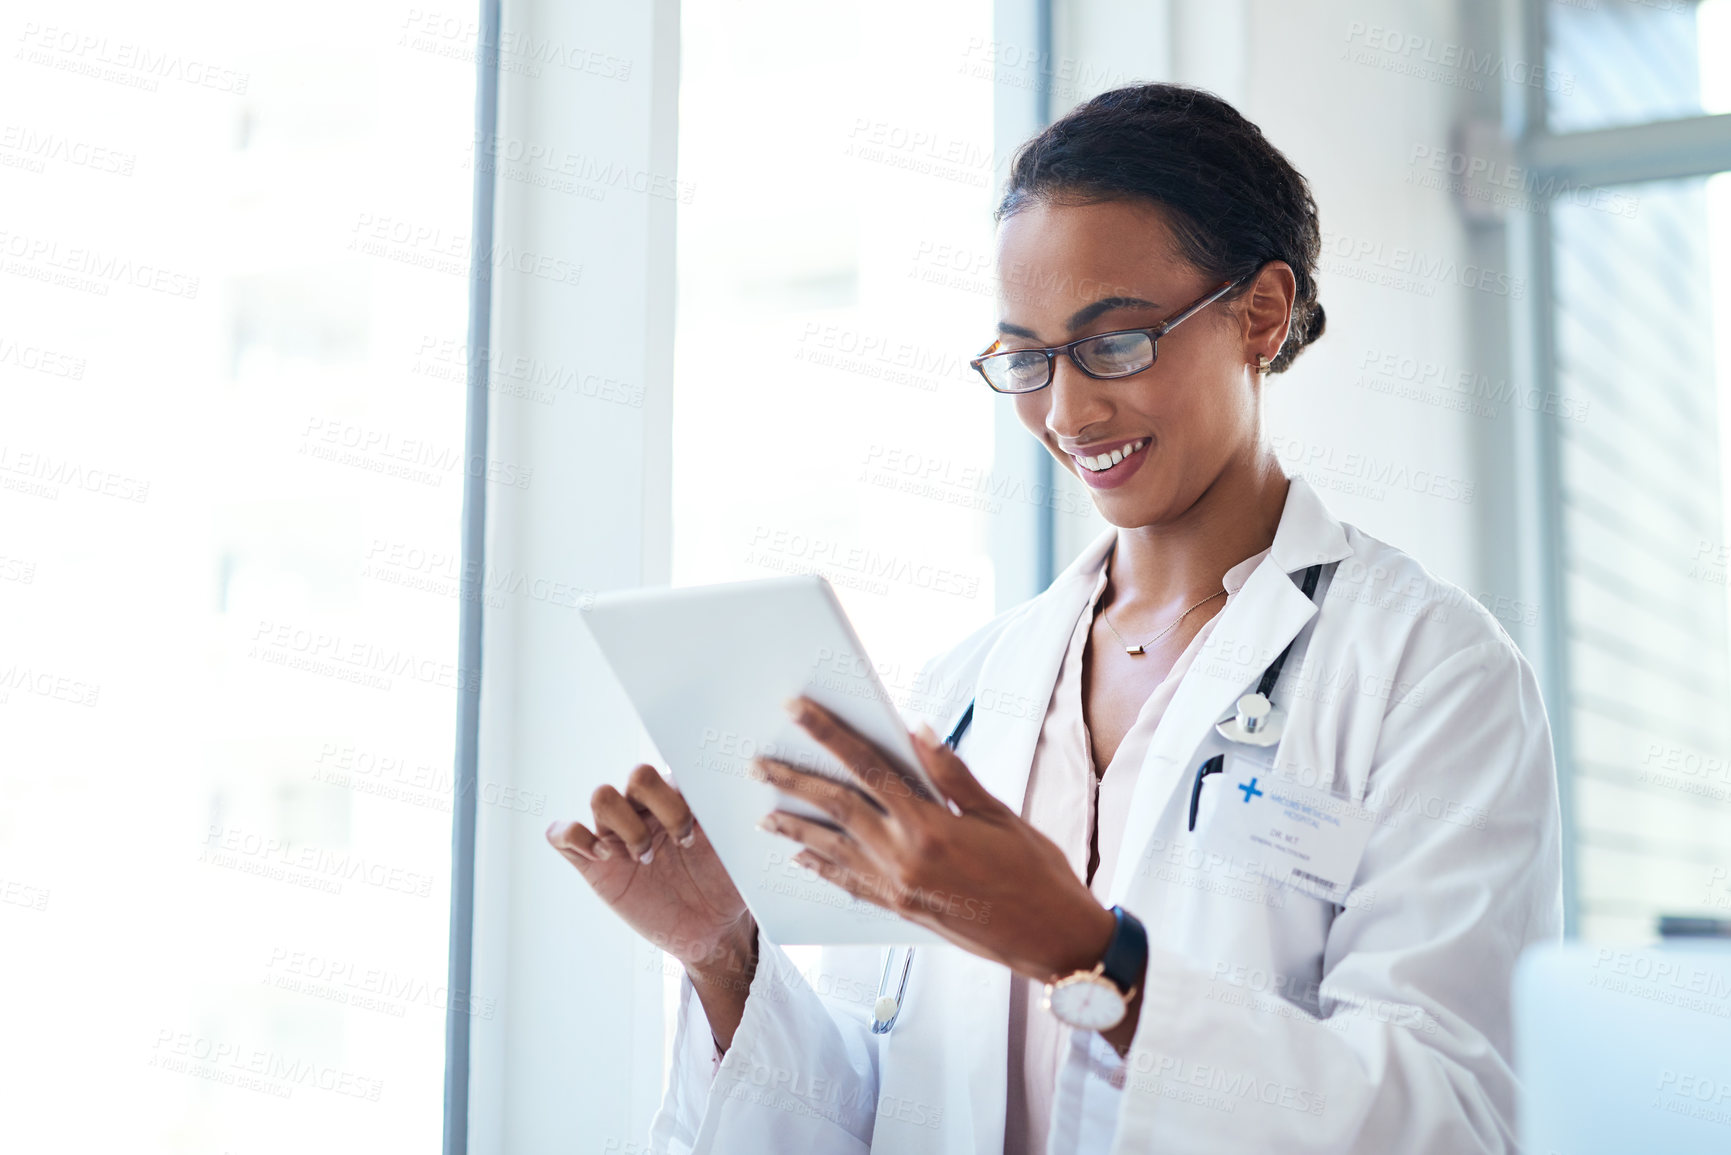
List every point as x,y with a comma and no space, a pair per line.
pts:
232,311
1632,349
839,282
1625,62
1641,319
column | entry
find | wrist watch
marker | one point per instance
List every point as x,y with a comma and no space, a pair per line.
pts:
1097,999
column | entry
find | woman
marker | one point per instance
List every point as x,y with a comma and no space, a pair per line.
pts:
1126,972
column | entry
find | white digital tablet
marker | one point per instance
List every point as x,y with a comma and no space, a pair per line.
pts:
707,669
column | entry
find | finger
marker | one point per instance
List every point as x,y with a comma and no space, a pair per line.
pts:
648,789
864,761
833,845
863,886
573,838
615,816
826,870
950,774
851,809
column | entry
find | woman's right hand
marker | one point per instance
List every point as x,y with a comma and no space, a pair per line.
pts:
648,859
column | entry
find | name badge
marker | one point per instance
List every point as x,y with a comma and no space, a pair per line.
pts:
1299,836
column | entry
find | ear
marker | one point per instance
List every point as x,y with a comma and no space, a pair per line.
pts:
950,774
1268,310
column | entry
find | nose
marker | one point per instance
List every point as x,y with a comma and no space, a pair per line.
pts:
1075,401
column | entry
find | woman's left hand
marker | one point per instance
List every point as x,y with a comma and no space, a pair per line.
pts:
983,878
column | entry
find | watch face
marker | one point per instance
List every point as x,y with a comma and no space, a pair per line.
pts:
1090,1002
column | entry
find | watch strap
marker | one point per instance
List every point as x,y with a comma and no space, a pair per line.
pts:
1126,957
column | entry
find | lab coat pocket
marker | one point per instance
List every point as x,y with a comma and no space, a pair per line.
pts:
1215,795
1219,904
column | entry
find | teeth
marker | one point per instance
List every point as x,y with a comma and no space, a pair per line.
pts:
1106,461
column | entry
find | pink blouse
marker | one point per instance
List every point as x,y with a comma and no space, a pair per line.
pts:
1063,801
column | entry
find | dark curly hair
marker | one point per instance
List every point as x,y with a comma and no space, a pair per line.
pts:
1231,198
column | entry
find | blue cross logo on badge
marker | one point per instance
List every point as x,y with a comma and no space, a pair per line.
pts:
1250,790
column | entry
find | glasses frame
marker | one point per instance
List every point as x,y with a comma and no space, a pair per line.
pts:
1154,332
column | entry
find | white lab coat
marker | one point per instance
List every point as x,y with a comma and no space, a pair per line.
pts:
1272,1020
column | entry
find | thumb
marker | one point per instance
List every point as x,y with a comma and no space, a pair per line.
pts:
950,774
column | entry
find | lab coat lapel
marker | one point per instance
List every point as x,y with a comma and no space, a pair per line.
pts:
1011,693
1017,677
1268,612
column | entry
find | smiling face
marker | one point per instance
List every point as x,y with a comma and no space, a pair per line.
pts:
1069,270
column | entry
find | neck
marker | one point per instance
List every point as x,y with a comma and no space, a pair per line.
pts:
1158,567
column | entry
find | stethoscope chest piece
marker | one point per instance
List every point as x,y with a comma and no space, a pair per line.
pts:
887,1008
1256,722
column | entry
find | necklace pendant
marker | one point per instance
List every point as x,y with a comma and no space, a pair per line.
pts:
1133,651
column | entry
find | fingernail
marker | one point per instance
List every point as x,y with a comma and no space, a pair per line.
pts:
688,838
647,856
600,849
926,736
758,771
793,706
768,822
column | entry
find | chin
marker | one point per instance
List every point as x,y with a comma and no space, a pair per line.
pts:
1123,514
1121,509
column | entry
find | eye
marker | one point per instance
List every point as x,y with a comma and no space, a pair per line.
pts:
1017,369
1117,353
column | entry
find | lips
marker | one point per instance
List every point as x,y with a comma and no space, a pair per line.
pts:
1111,468
1101,462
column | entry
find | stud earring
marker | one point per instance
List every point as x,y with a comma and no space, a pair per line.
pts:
1262,362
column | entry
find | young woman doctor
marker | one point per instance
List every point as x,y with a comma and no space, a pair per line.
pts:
1124,976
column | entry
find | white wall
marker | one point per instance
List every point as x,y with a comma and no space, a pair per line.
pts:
1352,129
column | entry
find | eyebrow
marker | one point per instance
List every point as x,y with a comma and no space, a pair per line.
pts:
1081,316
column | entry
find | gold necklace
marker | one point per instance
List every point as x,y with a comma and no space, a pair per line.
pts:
1136,651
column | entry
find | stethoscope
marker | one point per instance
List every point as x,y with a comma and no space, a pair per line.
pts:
888,1008
1255,721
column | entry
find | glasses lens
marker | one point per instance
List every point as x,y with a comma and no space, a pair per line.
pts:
1116,354
1017,372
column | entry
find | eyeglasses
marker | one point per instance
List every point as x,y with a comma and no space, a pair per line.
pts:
1103,356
